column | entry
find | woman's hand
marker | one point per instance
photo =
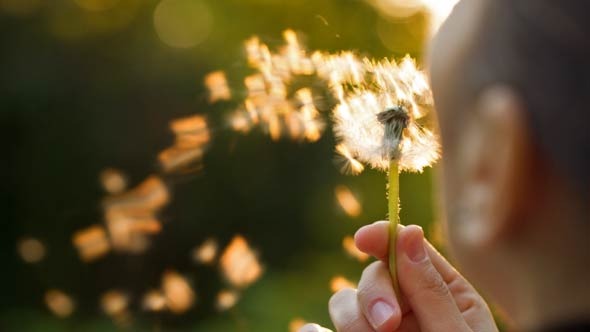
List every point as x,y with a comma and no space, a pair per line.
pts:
435,297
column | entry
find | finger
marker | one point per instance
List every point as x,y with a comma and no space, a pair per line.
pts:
409,324
377,298
424,287
313,328
346,313
373,239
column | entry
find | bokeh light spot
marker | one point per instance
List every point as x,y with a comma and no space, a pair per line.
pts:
31,250
182,23
59,303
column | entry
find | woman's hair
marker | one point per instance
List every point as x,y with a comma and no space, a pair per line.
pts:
541,48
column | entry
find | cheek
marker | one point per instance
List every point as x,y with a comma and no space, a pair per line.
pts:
448,188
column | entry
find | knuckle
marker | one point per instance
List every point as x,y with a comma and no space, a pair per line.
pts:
344,320
369,283
433,283
466,297
337,298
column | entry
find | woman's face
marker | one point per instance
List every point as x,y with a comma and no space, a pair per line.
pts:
457,130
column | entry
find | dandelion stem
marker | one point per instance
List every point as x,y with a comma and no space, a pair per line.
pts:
393,207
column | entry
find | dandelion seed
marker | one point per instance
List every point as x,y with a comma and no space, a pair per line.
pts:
59,303
268,104
239,263
114,302
351,249
192,136
92,243
226,299
149,196
174,158
113,181
31,250
178,293
347,201
295,324
349,164
206,252
154,300
240,122
216,83
339,283
128,232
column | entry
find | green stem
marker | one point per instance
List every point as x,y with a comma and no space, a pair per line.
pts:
393,207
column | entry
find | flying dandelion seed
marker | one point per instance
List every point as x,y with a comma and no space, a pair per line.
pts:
59,303
113,181
295,324
347,201
349,164
114,303
178,293
153,300
149,196
339,283
92,243
240,122
267,104
239,263
130,217
31,250
226,299
192,136
129,233
352,250
206,252
216,84
175,158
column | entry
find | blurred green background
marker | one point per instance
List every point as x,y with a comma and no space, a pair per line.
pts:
91,84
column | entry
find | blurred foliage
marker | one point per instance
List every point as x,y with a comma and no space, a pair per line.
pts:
87,85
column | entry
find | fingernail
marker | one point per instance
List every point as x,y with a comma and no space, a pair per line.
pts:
415,248
380,313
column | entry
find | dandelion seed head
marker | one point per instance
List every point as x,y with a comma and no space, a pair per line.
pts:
358,118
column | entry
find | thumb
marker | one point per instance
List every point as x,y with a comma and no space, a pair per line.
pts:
423,286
